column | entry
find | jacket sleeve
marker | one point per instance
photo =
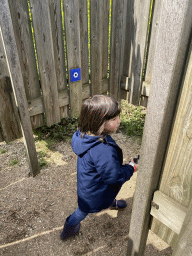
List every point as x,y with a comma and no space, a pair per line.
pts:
108,165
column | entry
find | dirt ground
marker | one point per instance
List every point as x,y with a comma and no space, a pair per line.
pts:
33,210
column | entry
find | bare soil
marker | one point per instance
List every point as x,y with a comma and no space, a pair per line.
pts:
33,210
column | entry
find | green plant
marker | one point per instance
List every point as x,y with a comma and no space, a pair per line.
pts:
14,161
132,119
3,151
42,162
42,153
62,131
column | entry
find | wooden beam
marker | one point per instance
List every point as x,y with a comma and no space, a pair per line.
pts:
145,89
35,106
12,56
168,211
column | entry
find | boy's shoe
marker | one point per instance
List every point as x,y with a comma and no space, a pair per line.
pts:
69,230
118,204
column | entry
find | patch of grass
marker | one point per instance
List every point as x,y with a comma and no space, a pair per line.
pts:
42,153
132,119
42,162
14,161
58,132
3,151
132,123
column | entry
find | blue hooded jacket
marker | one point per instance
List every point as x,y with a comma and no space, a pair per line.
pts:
100,173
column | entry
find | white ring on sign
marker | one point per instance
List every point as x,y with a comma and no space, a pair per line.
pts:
75,74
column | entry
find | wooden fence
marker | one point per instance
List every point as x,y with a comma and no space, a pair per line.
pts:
54,54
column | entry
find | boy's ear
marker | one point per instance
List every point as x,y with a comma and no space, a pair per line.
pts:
101,129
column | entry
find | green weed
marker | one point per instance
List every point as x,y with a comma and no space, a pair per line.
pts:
132,123
58,132
3,151
42,162
14,161
132,119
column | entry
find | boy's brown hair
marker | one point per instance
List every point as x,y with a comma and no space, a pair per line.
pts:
97,110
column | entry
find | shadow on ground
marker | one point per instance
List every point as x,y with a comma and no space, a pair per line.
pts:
33,211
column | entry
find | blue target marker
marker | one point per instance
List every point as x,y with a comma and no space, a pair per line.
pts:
75,74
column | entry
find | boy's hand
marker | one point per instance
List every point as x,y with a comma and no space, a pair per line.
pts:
136,166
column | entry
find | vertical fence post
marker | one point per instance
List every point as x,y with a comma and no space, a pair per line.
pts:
45,53
12,56
136,34
170,56
23,35
105,38
155,16
84,41
117,46
72,29
96,24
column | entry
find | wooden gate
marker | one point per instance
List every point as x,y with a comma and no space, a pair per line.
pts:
57,53
175,190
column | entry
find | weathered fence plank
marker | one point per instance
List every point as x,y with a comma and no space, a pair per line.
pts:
84,41
72,29
58,46
1,134
36,105
176,183
105,38
23,35
136,34
45,52
117,47
96,35
169,60
145,88
12,56
8,116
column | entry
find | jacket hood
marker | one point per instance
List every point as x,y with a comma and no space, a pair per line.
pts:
81,145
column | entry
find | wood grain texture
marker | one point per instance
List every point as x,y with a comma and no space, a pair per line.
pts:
105,64
84,41
45,52
15,72
117,47
135,43
168,211
58,43
176,180
23,36
36,105
72,29
10,124
96,23
8,114
155,16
